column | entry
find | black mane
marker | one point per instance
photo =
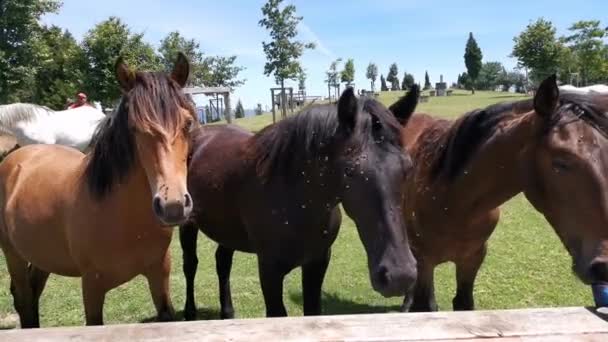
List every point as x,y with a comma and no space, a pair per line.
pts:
474,128
310,136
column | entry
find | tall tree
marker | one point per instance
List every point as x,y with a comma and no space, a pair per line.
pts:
587,43
372,74
537,49
60,68
427,81
393,76
239,111
284,51
302,81
332,77
408,81
472,60
173,43
19,24
348,74
102,45
383,86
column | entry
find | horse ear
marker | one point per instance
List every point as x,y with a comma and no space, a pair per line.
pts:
547,96
406,105
124,75
181,70
347,109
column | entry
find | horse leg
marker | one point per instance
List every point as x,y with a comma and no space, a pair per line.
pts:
313,274
158,282
423,297
188,234
94,294
38,280
466,272
223,266
271,279
21,289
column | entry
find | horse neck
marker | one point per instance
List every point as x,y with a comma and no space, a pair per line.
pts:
494,173
133,194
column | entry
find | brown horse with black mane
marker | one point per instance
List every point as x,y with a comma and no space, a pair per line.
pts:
554,148
105,216
276,194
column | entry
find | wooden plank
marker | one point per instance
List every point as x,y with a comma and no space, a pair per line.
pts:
554,324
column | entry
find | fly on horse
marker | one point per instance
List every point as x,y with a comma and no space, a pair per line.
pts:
553,147
105,217
33,124
276,194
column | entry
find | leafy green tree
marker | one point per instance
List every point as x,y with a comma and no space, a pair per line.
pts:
258,109
537,49
383,86
223,72
587,44
284,51
102,45
348,74
472,60
372,74
408,81
489,76
302,81
393,76
19,24
173,43
427,81
239,111
59,72
332,77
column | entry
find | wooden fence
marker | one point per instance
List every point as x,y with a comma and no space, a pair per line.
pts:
551,324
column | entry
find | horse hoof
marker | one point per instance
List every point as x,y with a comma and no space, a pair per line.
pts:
227,315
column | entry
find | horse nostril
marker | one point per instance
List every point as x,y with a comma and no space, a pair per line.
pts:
158,209
187,201
383,276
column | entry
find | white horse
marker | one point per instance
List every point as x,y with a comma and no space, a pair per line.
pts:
596,88
33,124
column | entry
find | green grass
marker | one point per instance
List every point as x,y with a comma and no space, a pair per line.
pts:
526,265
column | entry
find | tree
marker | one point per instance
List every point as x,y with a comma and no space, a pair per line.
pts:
489,76
173,43
372,74
348,74
586,42
222,72
258,109
393,76
239,111
102,45
383,86
537,49
332,77
408,81
463,81
284,51
302,81
60,68
19,23
427,81
472,60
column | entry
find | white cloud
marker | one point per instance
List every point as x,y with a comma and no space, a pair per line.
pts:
308,35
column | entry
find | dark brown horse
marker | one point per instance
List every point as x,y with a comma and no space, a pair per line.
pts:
105,217
276,194
554,148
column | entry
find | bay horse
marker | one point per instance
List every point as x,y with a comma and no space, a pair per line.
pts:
553,147
276,194
34,124
105,217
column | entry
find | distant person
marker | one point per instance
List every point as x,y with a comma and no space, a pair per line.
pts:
81,100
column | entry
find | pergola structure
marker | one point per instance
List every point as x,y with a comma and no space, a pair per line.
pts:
219,102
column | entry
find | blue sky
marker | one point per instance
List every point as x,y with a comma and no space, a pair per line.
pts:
417,35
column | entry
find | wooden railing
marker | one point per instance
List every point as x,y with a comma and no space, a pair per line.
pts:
551,324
